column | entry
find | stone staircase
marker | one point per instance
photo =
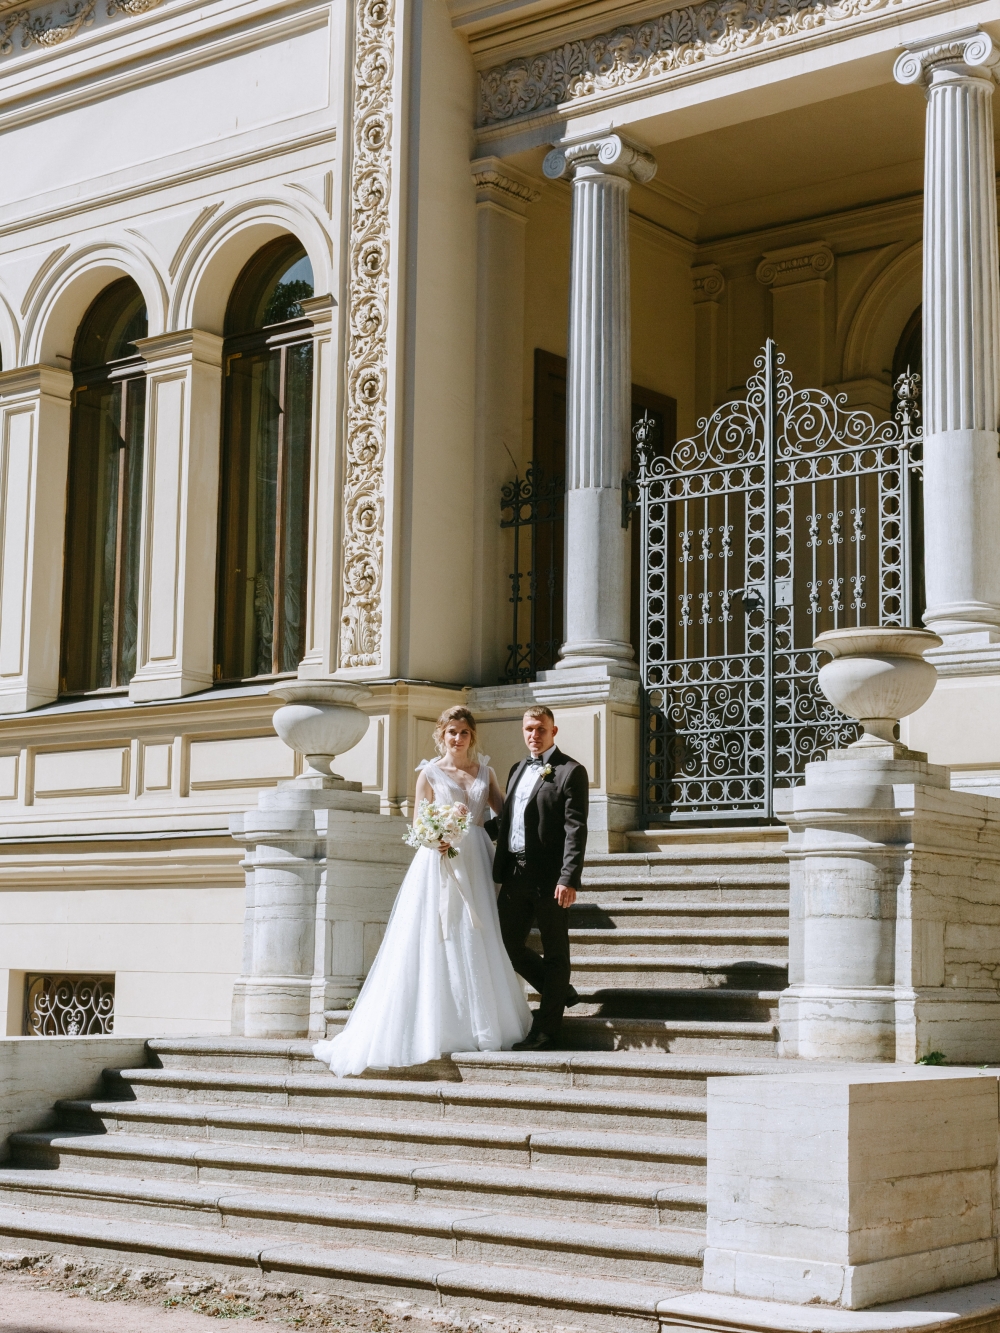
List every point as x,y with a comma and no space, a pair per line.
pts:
680,944
565,1187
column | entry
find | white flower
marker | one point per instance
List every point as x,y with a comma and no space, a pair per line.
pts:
438,826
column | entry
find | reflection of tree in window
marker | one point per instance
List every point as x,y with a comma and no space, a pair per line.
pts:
104,495
267,362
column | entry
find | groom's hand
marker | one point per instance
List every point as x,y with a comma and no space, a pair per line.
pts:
565,896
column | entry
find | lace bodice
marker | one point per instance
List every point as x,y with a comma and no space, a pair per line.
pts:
449,789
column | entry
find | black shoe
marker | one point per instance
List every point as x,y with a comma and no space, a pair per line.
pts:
572,998
536,1040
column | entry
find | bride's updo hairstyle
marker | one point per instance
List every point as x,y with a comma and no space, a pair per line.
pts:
456,714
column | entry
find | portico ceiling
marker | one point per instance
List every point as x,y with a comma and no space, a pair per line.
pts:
826,157
848,152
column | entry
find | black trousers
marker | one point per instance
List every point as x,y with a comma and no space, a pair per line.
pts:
521,904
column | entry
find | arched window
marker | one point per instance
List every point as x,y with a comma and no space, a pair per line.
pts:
268,366
104,494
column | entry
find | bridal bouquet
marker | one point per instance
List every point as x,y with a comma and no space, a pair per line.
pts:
437,825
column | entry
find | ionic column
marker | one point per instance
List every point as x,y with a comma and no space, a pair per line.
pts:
961,321
598,399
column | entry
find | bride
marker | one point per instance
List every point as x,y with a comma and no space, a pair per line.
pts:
442,980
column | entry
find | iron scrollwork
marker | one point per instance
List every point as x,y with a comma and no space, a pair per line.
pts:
532,509
793,512
69,1006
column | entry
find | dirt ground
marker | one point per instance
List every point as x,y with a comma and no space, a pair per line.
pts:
57,1294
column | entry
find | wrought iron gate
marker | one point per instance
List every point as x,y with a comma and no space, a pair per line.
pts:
785,516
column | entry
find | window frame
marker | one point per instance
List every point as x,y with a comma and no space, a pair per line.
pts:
76,637
235,500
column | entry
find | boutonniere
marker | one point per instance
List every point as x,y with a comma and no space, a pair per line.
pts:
547,773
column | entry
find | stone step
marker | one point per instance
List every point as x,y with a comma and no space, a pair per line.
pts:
594,1033
654,1072
676,864
645,1072
722,889
757,942
693,835
673,877
322,1094
446,1138
671,1254
712,1004
603,1303
744,971
672,1192
620,912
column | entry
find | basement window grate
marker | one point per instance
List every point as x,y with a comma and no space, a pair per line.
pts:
62,1005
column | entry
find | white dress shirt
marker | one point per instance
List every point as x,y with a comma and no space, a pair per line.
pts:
522,794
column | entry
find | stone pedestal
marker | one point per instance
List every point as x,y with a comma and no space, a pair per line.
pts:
598,398
894,912
323,868
961,323
849,1187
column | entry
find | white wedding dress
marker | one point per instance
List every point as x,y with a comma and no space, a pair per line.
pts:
442,981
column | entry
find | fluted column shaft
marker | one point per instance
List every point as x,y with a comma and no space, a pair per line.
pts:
961,331
598,400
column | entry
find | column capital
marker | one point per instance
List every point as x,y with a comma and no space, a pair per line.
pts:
969,51
609,155
499,183
708,282
796,263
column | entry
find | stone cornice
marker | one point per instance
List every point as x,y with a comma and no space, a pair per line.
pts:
674,43
497,182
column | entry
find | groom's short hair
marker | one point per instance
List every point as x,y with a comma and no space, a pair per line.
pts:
539,711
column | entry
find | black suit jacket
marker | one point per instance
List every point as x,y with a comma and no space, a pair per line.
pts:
555,824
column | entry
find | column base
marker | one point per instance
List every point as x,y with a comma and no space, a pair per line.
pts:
838,1023
277,1008
813,1282
963,1025
616,658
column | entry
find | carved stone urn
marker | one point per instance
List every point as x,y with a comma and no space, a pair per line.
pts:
321,719
877,676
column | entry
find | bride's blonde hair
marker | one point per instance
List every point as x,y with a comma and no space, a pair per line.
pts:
458,713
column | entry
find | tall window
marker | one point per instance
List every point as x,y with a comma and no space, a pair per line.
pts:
104,496
268,363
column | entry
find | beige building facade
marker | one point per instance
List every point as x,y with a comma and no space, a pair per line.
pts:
278,282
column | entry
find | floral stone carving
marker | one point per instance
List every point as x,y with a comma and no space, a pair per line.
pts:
670,44
368,336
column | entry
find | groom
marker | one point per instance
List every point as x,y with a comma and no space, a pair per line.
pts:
541,839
